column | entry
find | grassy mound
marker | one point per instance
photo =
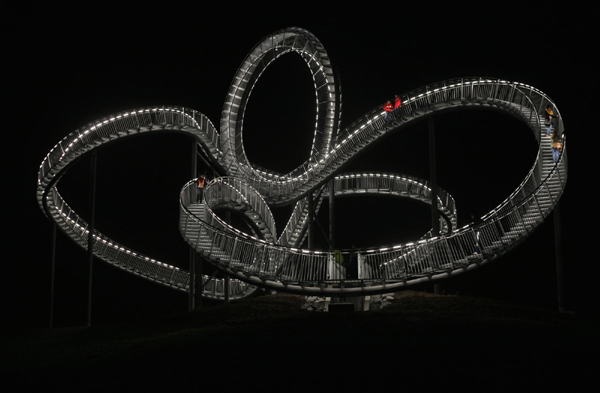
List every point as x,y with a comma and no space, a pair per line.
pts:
420,340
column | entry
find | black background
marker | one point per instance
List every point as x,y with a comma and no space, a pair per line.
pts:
65,69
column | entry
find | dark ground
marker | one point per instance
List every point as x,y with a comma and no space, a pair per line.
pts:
421,341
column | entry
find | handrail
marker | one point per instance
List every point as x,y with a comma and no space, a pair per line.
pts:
257,261
524,107
127,123
414,100
106,129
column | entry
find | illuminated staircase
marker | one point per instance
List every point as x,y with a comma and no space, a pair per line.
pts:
261,258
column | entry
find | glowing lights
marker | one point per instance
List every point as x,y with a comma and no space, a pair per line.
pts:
324,151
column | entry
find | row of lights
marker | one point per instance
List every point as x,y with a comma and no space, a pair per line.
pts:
110,244
106,121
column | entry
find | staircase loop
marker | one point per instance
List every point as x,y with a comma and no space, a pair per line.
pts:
262,257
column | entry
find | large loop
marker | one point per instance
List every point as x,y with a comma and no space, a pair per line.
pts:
256,62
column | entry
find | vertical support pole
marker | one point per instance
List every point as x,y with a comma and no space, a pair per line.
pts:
192,290
199,273
331,214
227,282
562,303
227,285
52,274
311,226
435,215
192,261
91,235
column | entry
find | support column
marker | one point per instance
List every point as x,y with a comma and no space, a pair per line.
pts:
562,301
52,274
435,215
227,281
226,287
91,234
192,257
331,214
311,226
200,287
192,290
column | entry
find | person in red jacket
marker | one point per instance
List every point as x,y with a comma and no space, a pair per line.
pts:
388,110
397,102
200,192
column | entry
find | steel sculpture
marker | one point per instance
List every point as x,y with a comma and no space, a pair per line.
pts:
261,257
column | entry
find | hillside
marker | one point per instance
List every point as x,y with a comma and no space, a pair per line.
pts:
419,340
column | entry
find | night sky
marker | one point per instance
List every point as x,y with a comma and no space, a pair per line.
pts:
66,71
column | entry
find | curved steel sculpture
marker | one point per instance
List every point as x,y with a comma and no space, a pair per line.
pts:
260,257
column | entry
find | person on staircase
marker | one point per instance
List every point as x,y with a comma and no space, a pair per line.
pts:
200,189
551,119
477,234
556,145
388,107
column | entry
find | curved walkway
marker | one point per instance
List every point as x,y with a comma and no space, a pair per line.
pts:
257,258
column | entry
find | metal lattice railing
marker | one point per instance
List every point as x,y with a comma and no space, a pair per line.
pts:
257,259
307,271
103,131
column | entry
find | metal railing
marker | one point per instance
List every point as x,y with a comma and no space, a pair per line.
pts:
501,230
257,259
419,102
503,227
302,270
123,124
253,188
256,62
105,130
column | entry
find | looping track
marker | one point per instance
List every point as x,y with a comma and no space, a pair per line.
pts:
264,258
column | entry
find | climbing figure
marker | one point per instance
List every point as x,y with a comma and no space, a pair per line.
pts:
200,188
388,110
551,119
548,113
556,146
477,234
397,102
338,257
